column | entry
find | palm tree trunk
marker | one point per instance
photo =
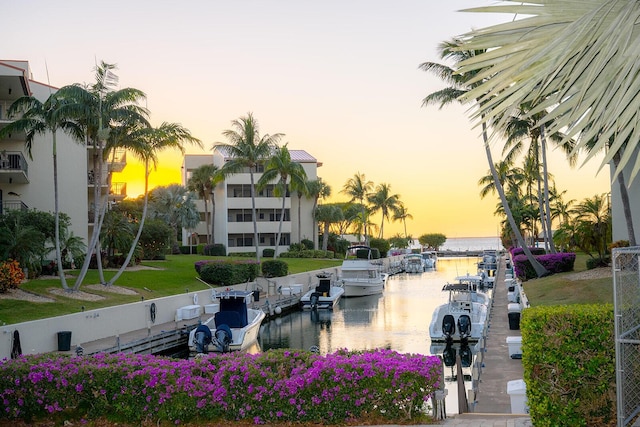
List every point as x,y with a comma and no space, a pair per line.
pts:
325,236
63,279
134,244
314,223
254,214
299,217
539,268
626,205
275,253
545,175
213,217
207,219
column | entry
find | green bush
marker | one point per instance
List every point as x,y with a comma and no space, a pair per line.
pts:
154,238
268,252
307,244
274,268
381,245
217,249
225,273
597,262
569,365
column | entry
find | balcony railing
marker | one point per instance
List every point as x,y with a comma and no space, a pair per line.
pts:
13,205
14,167
118,189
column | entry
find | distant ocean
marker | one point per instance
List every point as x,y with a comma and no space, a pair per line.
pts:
471,244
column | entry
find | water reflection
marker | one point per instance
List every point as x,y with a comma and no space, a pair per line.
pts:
398,319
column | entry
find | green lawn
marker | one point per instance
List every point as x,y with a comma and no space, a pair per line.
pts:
173,276
560,289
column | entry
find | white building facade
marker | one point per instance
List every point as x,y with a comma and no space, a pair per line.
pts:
232,219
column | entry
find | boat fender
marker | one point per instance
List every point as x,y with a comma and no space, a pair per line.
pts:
195,299
152,312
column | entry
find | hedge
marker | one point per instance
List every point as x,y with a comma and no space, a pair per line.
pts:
274,268
225,273
554,263
569,365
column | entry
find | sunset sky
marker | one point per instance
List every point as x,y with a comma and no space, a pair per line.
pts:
339,78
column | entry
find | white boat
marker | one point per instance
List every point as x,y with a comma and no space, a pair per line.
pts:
234,327
325,296
360,276
430,259
461,319
474,283
414,263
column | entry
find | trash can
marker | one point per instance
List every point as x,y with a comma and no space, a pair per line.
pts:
256,295
517,391
513,311
515,347
64,341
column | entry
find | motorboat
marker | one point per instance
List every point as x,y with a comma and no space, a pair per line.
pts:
430,259
414,263
461,319
234,327
361,276
324,296
474,283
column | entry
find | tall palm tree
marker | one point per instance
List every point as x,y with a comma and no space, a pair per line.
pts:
510,176
175,205
146,143
202,182
37,118
358,188
381,200
594,214
461,83
247,149
99,109
280,167
401,213
316,189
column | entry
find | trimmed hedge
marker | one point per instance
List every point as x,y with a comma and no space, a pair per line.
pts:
308,254
268,252
217,249
225,273
274,268
569,365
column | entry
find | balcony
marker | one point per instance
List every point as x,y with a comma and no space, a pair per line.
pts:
13,205
13,168
118,191
118,160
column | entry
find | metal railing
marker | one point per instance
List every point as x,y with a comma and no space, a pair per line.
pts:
626,299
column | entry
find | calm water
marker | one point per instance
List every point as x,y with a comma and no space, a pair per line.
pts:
398,319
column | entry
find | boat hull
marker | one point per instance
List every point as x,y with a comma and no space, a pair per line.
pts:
354,288
477,314
324,302
242,338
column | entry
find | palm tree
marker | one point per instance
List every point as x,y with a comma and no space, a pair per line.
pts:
358,188
145,143
327,214
594,215
463,83
37,118
401,213
175,206
247,149
383,201
280,167
316,189
100,109
510,176
202,182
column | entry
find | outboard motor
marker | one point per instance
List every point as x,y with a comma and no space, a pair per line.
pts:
449,355
223,338
464,326
448,326
465,356
202,339
313,300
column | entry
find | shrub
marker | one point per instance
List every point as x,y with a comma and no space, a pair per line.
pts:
268,252
216,249
154,238
11,275
297,247
569,365
274,268
381,245
308,244
597,262
225,273
554,263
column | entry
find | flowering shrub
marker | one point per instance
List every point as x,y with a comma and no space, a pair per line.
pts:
275,386
554,263
11,275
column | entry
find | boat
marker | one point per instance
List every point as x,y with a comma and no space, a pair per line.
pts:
430,259
324,296
462,318
234,327
473,284
414,263
361,276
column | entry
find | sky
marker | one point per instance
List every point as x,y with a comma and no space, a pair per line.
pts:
339,78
